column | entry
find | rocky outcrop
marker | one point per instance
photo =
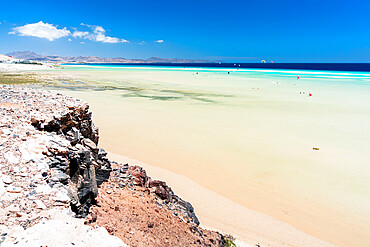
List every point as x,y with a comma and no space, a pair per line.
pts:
81,166
50,160
137,175
49,163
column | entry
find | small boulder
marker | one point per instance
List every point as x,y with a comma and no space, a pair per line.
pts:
139,175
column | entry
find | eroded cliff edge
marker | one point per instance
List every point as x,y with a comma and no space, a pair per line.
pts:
50,160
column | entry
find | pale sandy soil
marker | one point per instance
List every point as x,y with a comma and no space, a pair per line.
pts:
61,230
6,67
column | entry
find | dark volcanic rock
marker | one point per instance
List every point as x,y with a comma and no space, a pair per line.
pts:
83,166
76,120
161,189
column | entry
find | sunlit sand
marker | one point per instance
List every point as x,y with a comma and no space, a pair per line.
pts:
254,137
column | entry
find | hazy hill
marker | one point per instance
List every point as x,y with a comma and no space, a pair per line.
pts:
29,55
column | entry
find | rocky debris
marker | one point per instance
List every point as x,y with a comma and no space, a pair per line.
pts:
164,194
138,174
146,212
61,230
48,156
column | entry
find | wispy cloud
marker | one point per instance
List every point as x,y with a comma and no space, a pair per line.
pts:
97,34
229,57
159,41
41,30
79,34
142,43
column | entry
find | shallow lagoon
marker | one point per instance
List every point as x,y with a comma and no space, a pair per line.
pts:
248,135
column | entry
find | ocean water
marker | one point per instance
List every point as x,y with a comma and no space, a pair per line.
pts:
248,134
291,66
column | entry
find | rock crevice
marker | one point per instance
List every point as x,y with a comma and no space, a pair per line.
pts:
81,166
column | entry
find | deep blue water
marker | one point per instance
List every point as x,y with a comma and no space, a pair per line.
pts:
299,66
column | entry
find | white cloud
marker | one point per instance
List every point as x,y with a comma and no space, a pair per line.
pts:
82,42
41,30
98,35
159,41
79,34
99,29
51,32
142,43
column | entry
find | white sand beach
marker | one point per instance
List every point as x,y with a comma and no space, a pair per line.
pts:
8,64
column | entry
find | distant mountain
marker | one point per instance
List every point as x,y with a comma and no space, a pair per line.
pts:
29,55
174,60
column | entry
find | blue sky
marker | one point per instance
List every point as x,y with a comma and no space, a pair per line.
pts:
240,31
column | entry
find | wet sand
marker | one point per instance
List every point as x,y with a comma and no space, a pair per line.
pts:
249,140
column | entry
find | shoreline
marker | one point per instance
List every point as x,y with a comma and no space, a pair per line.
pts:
299,214
249,227
246,225
310,205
